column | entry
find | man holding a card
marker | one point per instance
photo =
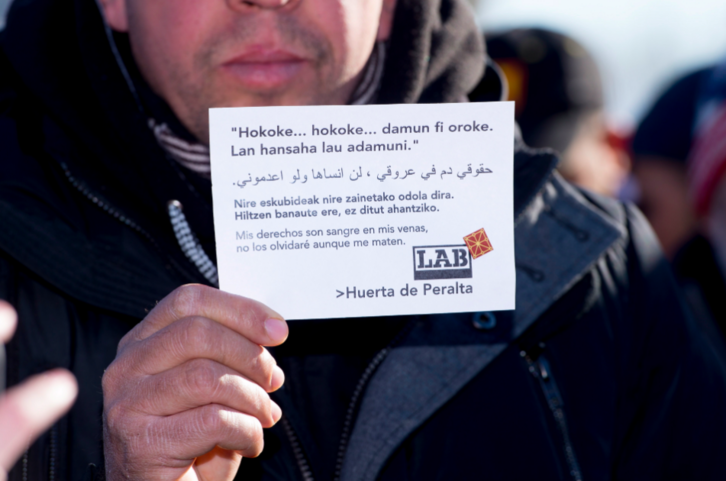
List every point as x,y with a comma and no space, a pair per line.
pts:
107,252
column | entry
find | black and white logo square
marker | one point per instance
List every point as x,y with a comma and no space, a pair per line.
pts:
442,262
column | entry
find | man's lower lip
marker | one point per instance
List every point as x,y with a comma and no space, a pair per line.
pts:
264,75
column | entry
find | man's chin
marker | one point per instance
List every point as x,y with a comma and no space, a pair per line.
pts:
277,98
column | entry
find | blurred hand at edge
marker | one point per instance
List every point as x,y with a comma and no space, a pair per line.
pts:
32,407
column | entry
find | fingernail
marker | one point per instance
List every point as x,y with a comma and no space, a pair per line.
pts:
275,411
278,379
276,329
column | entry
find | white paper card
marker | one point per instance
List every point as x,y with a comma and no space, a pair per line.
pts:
354,211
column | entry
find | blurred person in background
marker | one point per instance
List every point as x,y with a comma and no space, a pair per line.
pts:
559,104
705,263
660,148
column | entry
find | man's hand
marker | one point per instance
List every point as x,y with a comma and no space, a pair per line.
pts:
30,408
187,395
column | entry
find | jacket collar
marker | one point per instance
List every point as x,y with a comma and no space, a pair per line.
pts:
559,235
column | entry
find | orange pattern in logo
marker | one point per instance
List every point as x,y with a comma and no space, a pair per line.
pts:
478,243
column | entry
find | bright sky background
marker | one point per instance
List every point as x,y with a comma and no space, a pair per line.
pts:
640,45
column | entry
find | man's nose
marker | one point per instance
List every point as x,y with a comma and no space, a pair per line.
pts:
266,4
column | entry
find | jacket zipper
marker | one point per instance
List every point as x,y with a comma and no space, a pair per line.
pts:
78,185
302,462
349,415
25,466
53,434
189,244
53,452
352,408
541,370
86,192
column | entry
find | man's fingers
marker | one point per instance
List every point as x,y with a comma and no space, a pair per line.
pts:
198,338
194,433
218,464
252,319
30,408
191,377
166,447
8,320
200,382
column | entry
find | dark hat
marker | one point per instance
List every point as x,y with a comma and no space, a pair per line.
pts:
667,128
552,79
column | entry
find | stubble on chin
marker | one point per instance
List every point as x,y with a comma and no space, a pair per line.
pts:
202,88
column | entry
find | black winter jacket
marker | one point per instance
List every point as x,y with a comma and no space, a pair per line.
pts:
598,374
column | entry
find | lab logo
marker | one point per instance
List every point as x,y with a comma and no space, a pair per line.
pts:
442,262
